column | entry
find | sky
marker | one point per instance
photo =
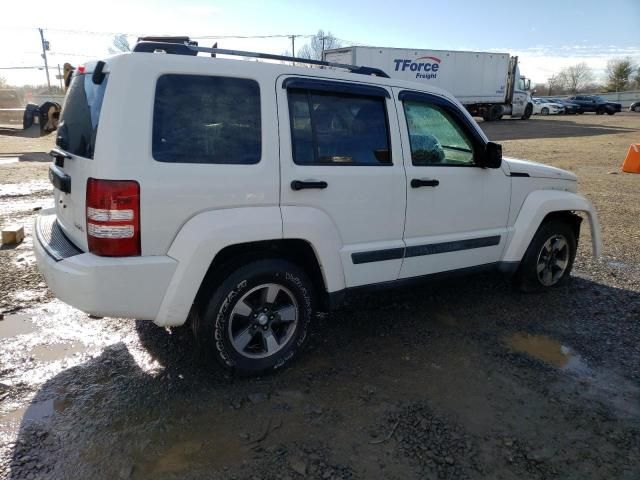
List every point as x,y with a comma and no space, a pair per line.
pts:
546,35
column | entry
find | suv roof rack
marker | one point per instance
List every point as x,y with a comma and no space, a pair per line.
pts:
185,46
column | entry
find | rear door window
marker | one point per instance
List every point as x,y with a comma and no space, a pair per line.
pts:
338,128
80,116
206,119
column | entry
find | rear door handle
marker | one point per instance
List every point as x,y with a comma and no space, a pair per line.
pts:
418,182
299,184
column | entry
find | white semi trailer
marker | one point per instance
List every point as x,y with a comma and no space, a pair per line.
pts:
488,84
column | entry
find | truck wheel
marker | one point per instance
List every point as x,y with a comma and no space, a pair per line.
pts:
256,320
610,112
544,111
528,111
549,259
600,111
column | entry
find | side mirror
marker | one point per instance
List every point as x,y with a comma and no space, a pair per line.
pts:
492,157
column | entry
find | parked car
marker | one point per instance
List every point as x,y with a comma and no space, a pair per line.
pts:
543,106
635,107
569,107
595,103
245,196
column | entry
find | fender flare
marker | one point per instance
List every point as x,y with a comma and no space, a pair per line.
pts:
206,234
537,205
199,241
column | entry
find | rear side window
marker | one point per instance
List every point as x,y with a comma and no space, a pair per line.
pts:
206,119
80,115
338,129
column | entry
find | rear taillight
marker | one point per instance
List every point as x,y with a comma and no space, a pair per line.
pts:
113,217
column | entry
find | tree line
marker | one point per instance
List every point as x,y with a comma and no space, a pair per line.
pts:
621,74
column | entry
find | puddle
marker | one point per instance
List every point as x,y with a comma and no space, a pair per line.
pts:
14,325
548,350
6,160
55,351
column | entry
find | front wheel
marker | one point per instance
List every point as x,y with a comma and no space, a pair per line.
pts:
549,259
528,111
544,111
257,319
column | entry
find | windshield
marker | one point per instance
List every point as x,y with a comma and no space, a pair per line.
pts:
80,114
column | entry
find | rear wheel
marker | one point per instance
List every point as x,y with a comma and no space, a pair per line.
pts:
256,320
549,259
636,108
611,113
600,111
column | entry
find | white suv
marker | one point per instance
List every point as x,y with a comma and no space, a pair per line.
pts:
246,195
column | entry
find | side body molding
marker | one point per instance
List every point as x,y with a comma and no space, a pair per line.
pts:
197,244
539,204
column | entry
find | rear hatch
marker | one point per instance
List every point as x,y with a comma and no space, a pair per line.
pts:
73,158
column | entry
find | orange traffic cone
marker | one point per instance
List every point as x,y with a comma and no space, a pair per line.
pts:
632,162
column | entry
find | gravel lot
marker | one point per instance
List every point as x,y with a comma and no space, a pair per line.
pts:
463,379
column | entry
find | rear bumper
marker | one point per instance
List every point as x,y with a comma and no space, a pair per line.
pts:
131,287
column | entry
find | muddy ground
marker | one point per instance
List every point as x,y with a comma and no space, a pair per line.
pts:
464,379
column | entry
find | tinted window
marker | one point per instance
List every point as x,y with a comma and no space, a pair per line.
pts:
435,137
204,119
338,129
80,115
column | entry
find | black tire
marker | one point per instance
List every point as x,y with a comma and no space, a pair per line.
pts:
527,278
544,111
580,112
610,113
636,108
29,115
213,326
495,113
528,111
600,111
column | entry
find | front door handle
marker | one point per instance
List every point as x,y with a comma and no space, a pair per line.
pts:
299,184
418,182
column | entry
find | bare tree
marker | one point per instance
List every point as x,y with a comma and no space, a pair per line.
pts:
319,42
577,76
120,44
619,71
636,78
556,83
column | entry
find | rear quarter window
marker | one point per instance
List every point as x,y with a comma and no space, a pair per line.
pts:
206,119
80,116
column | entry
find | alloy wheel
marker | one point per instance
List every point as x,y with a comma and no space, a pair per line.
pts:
553,260
263,320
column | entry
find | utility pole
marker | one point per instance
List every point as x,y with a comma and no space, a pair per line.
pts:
293,45
45,47
61,77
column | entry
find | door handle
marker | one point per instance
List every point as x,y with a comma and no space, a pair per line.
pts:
299,184
418,182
